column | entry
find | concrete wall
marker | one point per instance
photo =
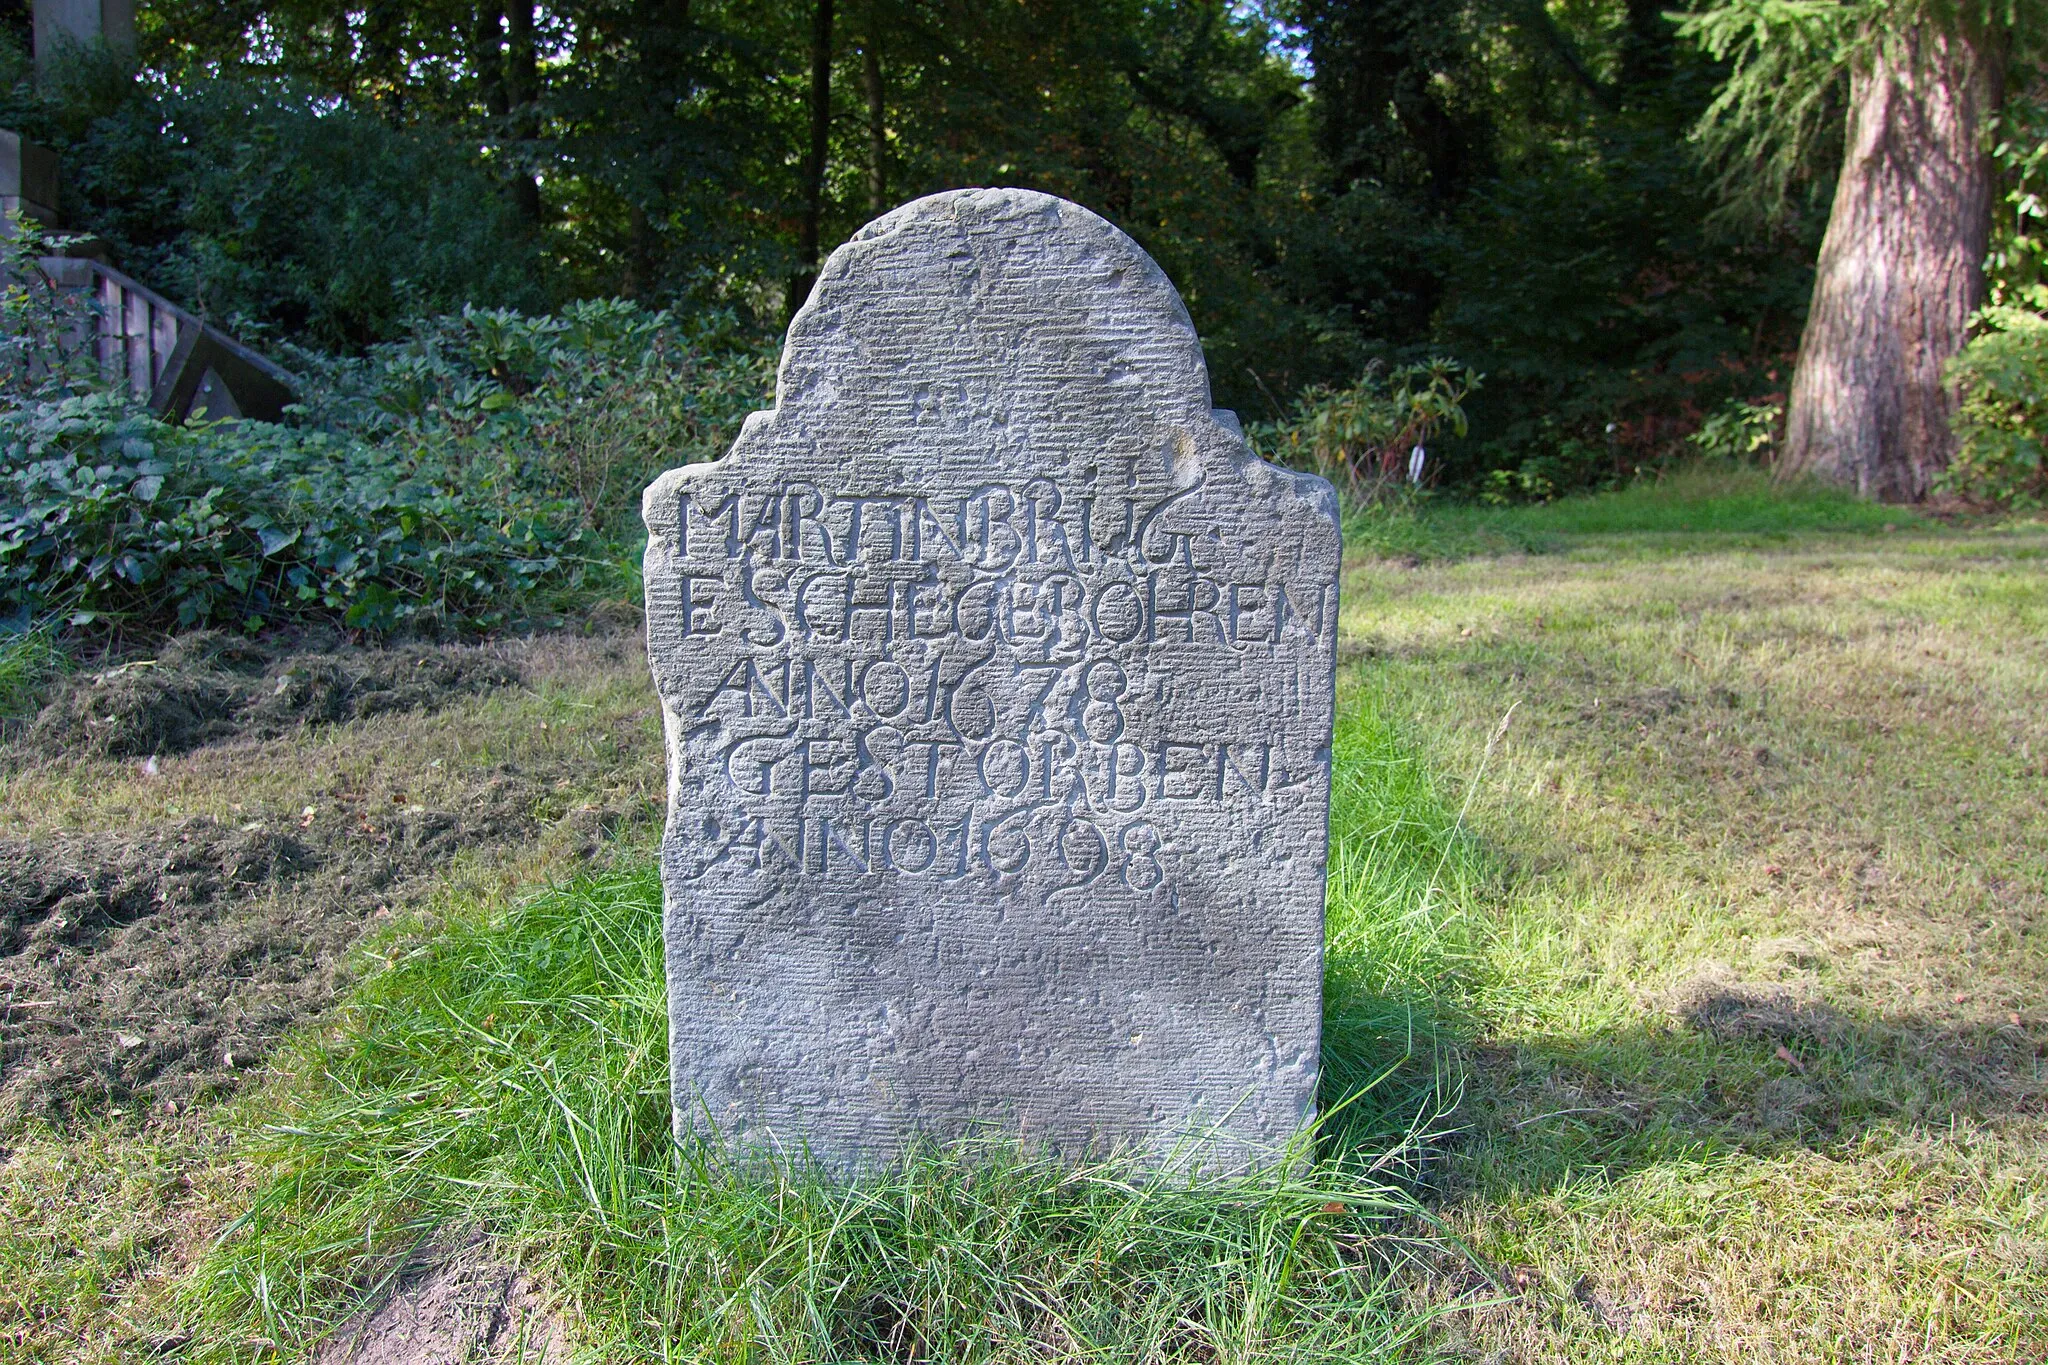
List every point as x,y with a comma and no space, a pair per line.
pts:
81,23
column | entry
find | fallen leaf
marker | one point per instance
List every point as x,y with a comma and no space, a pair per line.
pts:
1785,1056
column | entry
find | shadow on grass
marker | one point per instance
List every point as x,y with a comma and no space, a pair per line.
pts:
1730,1068
1738,1068
1723,1064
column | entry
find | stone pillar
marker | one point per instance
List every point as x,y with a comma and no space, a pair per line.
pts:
28,179
82,23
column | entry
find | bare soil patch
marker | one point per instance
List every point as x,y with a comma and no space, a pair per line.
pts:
452,1308
157,959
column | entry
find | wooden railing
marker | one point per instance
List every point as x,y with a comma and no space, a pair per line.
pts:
167,357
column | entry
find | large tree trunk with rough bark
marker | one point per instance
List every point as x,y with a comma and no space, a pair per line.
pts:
1901,268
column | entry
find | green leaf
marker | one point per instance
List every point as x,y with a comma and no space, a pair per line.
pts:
276,538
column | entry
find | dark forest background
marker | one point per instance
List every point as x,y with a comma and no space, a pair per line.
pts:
1332,185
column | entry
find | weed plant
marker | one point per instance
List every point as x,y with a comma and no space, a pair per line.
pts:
29,659
510,1074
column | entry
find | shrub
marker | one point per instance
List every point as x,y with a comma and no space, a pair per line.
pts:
2003,374
1365,438
457,479
46,333
590,402
108,515
1560,463
1739,431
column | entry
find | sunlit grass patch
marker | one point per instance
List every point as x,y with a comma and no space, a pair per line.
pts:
94,1223
1755,1059
510,1074
1691,503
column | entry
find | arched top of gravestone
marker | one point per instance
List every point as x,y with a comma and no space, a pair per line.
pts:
1004,287
994,328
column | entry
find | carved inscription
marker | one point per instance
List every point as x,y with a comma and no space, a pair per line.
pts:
921,685
996,676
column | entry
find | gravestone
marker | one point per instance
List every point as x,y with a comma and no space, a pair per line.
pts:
997,680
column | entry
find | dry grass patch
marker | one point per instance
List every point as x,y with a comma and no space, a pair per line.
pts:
1758,1065
163,925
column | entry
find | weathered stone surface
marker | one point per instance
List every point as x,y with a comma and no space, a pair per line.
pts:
998,684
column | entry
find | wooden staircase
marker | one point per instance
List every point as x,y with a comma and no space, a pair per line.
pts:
168,358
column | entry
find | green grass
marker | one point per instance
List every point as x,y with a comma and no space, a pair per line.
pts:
1751,1037
1691,503
1693,1015
510,1074
1407,884
28,661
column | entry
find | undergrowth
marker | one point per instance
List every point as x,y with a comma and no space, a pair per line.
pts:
510,1074
29,659
485,473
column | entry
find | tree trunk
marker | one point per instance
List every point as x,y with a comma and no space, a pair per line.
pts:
487,55
809,226
878,133
1901,268
522,95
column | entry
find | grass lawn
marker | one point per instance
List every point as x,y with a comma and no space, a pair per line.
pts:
1685,1003
1753,1043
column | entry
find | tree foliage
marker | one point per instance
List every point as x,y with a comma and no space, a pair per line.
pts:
1774,126
1333,184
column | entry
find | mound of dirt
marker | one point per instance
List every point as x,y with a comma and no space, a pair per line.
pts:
324,689
452,1309
154,960
136,709
72,893
159,963
210,686
1726,1009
